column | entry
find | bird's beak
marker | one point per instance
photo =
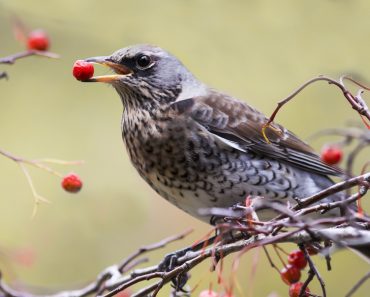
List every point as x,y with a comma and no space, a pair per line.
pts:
119,69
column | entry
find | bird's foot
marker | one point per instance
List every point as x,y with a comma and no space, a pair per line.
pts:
170,261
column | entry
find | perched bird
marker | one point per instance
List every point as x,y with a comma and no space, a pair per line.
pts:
200,148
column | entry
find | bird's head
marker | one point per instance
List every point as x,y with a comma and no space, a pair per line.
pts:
147,76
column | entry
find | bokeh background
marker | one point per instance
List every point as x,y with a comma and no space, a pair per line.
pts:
256,50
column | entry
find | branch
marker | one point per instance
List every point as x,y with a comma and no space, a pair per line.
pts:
12,58
358,284
356,101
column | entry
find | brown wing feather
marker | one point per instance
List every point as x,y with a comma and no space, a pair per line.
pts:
236,121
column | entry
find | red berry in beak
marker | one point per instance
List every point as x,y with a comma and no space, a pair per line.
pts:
38,40
83,70
72,183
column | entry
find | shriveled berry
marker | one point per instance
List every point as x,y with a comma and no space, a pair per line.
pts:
83,70
124,293
297,259
208,293
331,154
295,289
72,183
38,40
312,250
290,274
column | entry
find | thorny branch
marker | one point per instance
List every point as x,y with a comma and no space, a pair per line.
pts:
350,230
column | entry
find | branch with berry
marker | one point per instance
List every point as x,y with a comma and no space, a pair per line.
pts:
70,182
37,43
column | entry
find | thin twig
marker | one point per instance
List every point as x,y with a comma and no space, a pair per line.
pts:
356,102
12,58
152,247
314,272
358,284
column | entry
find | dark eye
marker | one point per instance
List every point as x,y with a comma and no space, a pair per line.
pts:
143,61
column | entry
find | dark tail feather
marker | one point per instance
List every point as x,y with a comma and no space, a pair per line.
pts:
363,251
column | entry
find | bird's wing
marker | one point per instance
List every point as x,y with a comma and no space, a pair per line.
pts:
240,126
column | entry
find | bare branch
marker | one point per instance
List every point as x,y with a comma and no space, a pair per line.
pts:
356,101
12,58
358,284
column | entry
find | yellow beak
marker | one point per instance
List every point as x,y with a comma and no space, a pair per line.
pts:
120,69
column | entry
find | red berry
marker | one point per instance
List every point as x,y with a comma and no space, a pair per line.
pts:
294,290
83,70
297,259
290,274
208,293
331,154
38,40
72,183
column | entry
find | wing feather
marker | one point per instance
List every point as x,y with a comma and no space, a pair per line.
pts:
240,126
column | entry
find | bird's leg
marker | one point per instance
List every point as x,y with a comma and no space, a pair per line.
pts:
170,261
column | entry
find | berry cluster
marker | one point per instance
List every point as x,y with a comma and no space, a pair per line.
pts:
291,273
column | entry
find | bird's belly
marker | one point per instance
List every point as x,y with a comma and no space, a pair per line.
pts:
189,197
223,190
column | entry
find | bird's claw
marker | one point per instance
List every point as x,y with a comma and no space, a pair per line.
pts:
170,261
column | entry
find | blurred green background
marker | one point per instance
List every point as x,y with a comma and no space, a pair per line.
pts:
256,50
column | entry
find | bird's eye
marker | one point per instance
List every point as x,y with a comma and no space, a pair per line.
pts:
143,61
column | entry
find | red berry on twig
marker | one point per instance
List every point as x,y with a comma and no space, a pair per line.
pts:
294,290
297,259
290,274
331,154
72,183
38,40
83,70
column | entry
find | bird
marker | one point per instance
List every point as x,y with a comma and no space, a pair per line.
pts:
201,148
